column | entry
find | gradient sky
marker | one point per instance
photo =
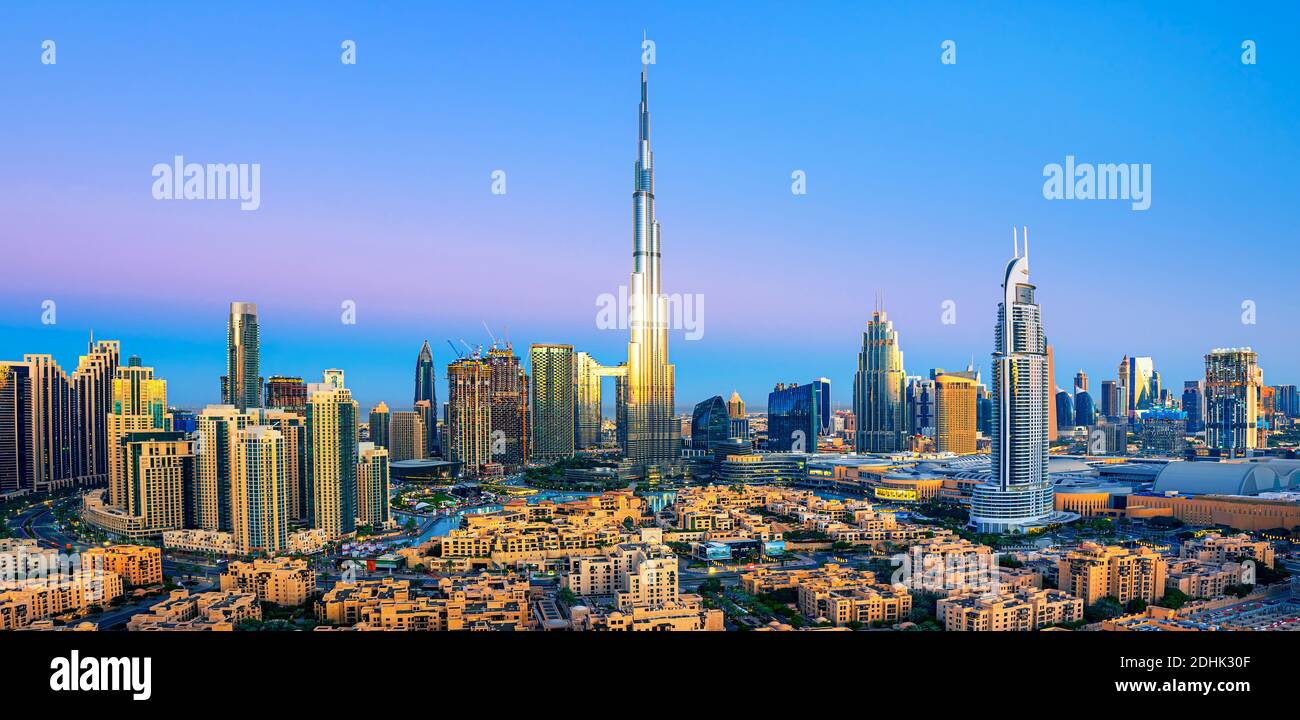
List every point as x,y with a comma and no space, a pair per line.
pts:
376,181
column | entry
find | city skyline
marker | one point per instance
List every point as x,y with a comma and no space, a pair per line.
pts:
930,188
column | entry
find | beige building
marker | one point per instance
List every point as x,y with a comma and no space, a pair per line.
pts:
1092,572
208,611
1019,610
139,565
284,582
954,412
1221,549
407,435
25,601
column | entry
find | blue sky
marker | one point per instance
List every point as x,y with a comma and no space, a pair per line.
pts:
376,181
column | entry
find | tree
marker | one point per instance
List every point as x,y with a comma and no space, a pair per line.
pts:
1174,599
1104,609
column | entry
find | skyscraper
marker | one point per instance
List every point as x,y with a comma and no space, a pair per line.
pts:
293,433
1080,382
652,432
94,390
242,383
1110,399
1194,404
406,436
259,492
878,389
139,401
710,424
218,433
918,406
1052,404
380,420
159,481
1064,410
372,486
824,404
287,393
553,407
332,459
1085,411
735,406
54,418
955,414
1232,383
794,417
427,390
586,398
17,435
509,408
1123,408
1021,494
469,419
1142,385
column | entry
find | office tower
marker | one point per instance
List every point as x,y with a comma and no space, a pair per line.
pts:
293,433
508,411
1064,410
17,434
878,389
1123,407
407,436
918,406
736,406
160,483
1051,397
1085,411
1156,392
426,390
332,459
469,423
710,424
429,420
1194,405
218,433
1080,382
258,492
93,380
955,414
380,420
1267,408
139,402
984,410
1140,377
553,402
286,393
652,433
1288,400
1162,432
1110,399
54,409
242,383
794,417
1232,382
586,398
824,404
372,486
1021,494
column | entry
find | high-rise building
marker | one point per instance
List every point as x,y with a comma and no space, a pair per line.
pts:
242,383
1085,411
955,414
54,410
1123,408
218,435
332,459
794,417
651,433
1080,382
17,435
94,390
553,403
586,398
918,406
1288,400
372,486
1110,407
333,377
406,436
509,408
286,393
735,406
824,404
139,402
469,419
259,491
1232,383
878,388
1194,404
380,420
1142,391
293,433
1021,494
1051,396
427,390
1064,410
710,424
160,483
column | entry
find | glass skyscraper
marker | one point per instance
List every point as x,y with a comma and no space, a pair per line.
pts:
710,424
878,389
425,389
242,385
552,369
793,418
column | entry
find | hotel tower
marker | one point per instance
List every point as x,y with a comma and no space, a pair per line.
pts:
1021,494
653,434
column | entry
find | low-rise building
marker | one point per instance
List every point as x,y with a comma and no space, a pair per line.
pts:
1018,610
139,565
206,611
281,581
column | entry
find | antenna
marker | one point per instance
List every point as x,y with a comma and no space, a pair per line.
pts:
1024,230
1015,245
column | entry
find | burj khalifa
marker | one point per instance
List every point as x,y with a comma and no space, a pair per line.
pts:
652,435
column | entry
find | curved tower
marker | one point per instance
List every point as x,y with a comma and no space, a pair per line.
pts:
653,435
1021,494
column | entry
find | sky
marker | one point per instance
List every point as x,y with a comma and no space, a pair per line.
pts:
376,182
